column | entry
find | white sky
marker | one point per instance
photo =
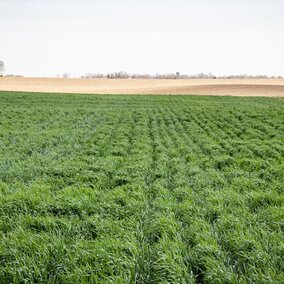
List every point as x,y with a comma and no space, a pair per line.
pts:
49,37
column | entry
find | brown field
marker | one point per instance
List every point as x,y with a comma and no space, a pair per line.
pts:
219,87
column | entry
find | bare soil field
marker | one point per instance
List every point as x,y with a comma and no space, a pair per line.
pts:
218,87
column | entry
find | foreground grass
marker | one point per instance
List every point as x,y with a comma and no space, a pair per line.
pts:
130,189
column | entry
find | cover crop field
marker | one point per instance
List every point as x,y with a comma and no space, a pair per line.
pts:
141,189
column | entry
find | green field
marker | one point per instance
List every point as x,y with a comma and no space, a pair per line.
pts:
141,189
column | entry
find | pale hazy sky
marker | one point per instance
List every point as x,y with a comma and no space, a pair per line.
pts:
49,37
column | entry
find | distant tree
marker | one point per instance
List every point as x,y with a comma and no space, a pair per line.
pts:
2,68
66,75
119,75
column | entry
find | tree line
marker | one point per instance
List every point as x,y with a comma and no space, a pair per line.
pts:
177,75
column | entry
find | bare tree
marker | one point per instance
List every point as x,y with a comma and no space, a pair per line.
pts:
119,75
93,76
66,75
2,68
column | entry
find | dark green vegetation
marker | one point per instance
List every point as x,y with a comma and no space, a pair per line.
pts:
141,189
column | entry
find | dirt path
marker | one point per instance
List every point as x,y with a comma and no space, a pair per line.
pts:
232,87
